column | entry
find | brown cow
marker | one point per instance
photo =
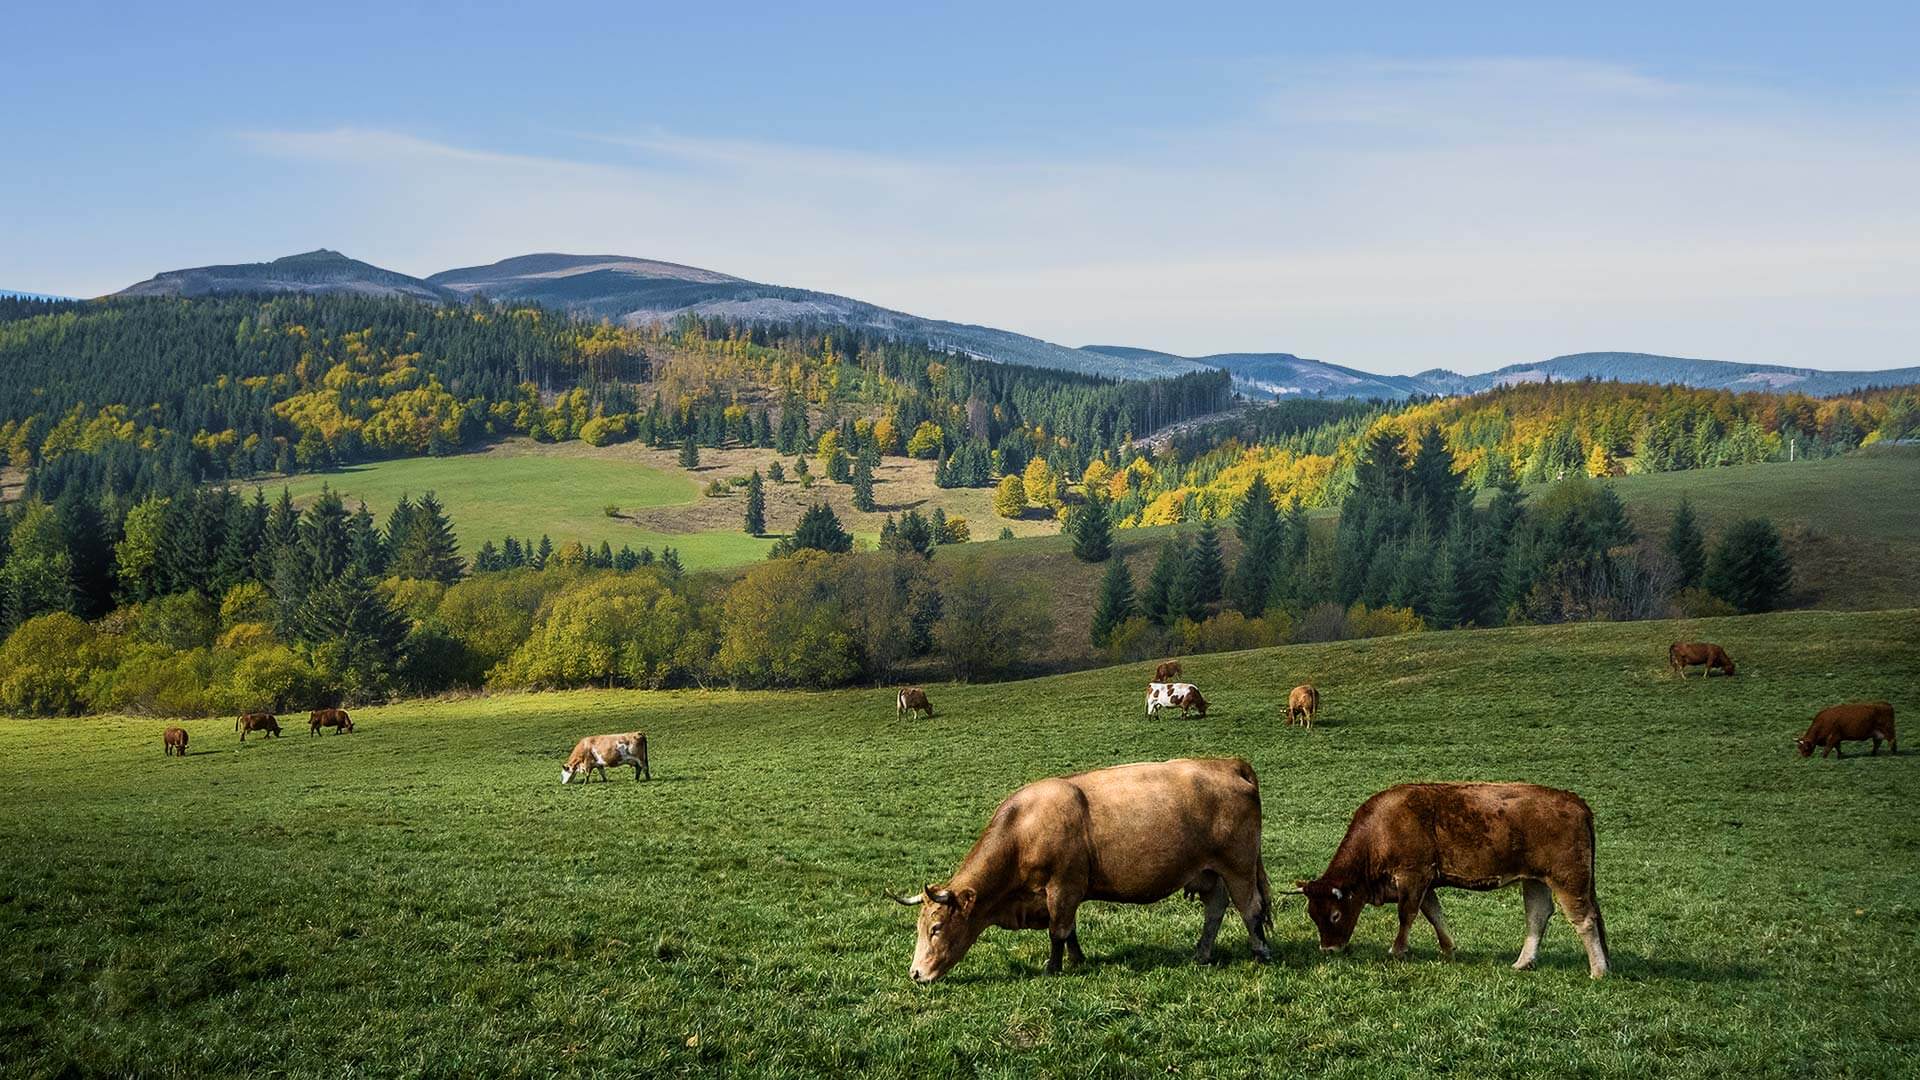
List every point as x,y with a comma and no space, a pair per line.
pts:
912,701
1682,655
600,751
1852,722
1168,671
256,721
336,719
1409,840
1304,704
1132,834
174,741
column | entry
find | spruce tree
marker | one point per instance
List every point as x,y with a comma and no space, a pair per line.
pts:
1261,536
670,564
1202,575
544,552
1115,603
689,454
1448,602
429,551
1158,602
862,484
399,526
1749,568
1687,546
625,559
90,546
1091,531
820,530
487,559
368,548
756,515
1435,486
916,535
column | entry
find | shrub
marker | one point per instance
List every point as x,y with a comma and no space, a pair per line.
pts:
179,621
606,629
1231,631
416,599
48,664
494,613
1701,604
1134,639
154,680
247,602
784,625
276,679
246,637
990,622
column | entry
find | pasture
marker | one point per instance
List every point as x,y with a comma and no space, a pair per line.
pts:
423,897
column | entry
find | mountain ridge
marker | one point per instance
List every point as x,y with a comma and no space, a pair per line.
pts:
634,291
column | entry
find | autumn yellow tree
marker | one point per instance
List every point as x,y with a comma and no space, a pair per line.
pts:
1042,485
1010,499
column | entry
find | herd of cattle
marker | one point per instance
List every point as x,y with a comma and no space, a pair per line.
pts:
1135,834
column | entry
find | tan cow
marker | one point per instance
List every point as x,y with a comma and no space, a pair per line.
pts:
1409,840
256,721
912,701
1853,722
1709,657
1132,834
599,751
1168,671
337,719
174,741
1303,704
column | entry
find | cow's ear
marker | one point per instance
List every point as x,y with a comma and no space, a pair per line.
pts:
963,899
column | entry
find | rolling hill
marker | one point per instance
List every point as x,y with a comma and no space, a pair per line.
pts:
320,271
1653,368
1277,375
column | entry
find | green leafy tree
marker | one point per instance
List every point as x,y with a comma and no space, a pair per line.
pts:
1750,568
1115,604
137,556
38,576
990,623
1010,500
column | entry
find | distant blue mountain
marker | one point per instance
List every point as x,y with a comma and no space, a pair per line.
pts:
12,294
1651,368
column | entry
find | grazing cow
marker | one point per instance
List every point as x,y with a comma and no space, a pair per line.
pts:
1132,834
1168,671
1682,655
1849,723
1303,704
336,719
1180,695
912,701
600,751
1409,840
174,741
256,721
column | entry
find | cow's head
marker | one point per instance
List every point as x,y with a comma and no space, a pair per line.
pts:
1804,745
948,924
1334,909
1726,667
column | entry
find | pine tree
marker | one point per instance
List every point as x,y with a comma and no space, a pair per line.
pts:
670,564
604,560
1447,601
1158,603
625,559
1687,546
282,535
756,515
1435,486
689,454
1091,530
916,535
1202,576
355,633
1115,604
544,552
1749,568
487,559
1261,536
777,473
939,525
246,533
399,526
862,484
90,546
430,552
369,550
820,530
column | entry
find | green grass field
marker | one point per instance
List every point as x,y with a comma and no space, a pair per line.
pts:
422,897
525,490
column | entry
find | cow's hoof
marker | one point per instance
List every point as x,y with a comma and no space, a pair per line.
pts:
1523,965
1262,956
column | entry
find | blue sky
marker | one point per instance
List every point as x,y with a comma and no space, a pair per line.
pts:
1410,186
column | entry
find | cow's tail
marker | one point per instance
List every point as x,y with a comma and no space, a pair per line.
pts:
1266,900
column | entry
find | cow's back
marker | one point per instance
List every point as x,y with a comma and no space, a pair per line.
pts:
1152,825
1478,836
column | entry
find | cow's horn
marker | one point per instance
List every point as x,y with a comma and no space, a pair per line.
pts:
909,901
939,895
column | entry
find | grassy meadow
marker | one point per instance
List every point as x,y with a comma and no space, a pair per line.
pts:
423,897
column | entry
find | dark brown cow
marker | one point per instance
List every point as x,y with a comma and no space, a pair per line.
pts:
174,741
1852,722
333,718
256,721
1303,704
912,701
1132,834
1168,671
1409,840
1682,655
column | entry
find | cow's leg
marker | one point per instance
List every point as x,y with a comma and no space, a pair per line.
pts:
1217,901
1430,907
1539,903
1253,911
1876,746
1409,908
1582,909
1063,906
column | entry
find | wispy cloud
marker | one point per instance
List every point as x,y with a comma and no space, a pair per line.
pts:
1387,215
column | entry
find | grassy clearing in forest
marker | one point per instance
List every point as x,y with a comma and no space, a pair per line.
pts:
424,897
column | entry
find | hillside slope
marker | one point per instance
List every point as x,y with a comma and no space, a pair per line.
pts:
1279,375
730,917
320,271
1652,368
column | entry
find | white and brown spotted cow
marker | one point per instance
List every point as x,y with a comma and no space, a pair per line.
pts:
599,751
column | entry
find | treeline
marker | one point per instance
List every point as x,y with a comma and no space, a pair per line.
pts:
212,603
135,396
1530,434
1412,550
